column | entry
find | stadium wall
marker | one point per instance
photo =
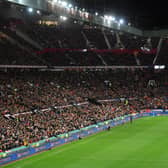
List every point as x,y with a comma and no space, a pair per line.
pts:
21,152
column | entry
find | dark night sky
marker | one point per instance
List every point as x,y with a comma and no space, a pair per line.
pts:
143,14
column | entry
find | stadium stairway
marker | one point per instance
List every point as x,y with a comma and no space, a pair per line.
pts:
12,40
27,39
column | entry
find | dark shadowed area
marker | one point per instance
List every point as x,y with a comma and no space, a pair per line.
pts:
142,14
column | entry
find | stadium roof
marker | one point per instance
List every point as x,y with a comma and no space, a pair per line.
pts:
142,14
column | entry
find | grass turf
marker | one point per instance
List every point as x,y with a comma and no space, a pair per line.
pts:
140,145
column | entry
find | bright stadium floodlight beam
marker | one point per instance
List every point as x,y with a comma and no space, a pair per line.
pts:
38,12
106,17
84,50
121,21
162,67
110,18
64,4
96,14
156,67
64,18
70,6
30,10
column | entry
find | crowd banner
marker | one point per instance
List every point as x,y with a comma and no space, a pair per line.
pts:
46,144
68,106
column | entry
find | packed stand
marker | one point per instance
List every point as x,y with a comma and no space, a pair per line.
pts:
24,92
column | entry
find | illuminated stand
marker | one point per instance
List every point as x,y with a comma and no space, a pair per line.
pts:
46,144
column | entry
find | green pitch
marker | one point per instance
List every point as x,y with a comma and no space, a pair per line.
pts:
144,144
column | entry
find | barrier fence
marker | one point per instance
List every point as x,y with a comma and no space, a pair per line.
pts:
46,144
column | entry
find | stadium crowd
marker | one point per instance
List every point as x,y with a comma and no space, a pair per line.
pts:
128,92
23,95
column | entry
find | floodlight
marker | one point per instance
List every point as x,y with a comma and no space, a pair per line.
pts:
121,21
156,67
38,12
30,10
162,67
64,4
105,16
64,18
96,14
70,5
84,50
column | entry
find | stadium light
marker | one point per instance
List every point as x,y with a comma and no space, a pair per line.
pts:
30,10
109,18
38,12
121,21
159,67
105,17
96,14
64,18
162,67
84,50
156,67
64,4
70,6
